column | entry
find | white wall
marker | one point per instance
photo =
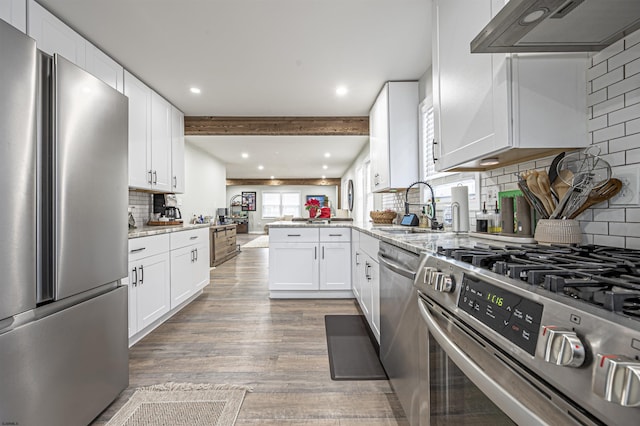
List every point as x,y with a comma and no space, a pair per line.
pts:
256,222
205,182
358,189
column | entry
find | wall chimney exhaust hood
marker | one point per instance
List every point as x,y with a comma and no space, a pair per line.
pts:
558,26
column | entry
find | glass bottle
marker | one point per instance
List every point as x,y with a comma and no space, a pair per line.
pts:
495,227
483,219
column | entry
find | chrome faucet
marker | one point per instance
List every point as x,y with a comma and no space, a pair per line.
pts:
431,212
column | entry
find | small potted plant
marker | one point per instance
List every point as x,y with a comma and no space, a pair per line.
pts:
312,205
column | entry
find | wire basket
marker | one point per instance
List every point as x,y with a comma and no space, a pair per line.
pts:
385,217
557,231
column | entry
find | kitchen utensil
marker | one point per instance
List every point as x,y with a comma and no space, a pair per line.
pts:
553,169
560,185
531,199
598,195
532,183
545,186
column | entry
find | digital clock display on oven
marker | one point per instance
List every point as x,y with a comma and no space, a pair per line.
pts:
514,317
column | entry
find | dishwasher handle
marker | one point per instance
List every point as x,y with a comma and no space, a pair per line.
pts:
515,409
396,268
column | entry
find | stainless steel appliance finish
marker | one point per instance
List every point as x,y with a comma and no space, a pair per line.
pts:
399,325
557,26
17,172
63,161
557,327
90,168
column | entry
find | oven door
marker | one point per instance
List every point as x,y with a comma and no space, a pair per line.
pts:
465,381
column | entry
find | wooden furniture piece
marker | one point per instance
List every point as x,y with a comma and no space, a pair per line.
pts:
223,243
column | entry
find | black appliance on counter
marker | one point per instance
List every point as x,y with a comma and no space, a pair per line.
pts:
530,334
165,204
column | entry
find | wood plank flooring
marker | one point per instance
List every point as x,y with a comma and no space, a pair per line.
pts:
233,333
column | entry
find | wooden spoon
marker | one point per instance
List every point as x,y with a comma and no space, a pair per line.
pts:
562,183
545,187
598,195
532,183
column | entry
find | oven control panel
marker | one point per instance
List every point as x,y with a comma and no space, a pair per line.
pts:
513,317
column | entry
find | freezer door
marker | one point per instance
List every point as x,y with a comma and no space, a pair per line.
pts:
90,190
17,171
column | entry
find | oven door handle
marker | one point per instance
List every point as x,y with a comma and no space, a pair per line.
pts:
517,411
396,268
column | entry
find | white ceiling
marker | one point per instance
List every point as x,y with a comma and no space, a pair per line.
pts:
261,57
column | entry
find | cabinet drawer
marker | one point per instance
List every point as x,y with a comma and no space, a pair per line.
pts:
142,247
337,235
187,238
369,245
231,231
294,235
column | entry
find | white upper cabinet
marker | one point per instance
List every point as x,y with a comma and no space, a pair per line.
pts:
105,68
139,94
54,36
487,104
15,13
177,150
161,143
393,136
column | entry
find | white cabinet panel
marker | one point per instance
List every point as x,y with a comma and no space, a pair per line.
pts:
393,136
54,36
182,275
189,264
335,266
149,297
293,266
15,13
105,68
177,150
160,143
139,94
201,277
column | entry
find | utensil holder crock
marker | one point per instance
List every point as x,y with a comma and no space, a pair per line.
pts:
558,231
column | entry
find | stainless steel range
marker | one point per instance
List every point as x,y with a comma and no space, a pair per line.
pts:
530,334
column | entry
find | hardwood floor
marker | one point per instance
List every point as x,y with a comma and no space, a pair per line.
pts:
233,333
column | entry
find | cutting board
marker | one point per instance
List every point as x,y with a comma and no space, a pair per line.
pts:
159,223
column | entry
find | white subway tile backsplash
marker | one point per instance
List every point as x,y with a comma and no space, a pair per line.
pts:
609,133
632,68
608,215
600,228
624,143
633,243
597,97
607,240
628,55
624,86
632,40
633,156
607,79
633,215
615,159
629,113
632,127
610,105
608,52
597,71
624,229
632,97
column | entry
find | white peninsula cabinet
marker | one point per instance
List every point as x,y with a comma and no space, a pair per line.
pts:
366,278
149,285
510,106
393,136
15,13
189,264
310,262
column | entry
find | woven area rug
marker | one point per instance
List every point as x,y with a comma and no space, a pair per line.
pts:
260,242
182,404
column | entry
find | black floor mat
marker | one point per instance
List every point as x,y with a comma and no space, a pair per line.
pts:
352,355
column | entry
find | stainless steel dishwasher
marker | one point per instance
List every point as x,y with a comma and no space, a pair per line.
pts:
399,319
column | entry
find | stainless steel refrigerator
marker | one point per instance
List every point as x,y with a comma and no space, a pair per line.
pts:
63,238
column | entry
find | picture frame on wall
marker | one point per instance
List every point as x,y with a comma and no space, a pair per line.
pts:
320,198
249,201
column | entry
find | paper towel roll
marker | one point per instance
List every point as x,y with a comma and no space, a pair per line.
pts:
460,208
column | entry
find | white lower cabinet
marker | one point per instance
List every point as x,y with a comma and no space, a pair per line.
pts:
310,262
367,288
165,272
189,264
149,289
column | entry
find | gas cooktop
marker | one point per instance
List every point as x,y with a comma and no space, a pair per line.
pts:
602,276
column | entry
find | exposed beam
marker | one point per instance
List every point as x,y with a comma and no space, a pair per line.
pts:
276,126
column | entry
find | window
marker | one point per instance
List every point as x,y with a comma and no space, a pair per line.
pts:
277,204
427,136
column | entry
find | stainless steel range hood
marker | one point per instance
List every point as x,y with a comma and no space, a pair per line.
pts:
558,26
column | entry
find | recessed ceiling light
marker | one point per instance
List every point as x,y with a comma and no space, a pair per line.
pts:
195,90
260,167
534,16
324,177
341,90
272,177
245,155
327,154
325,167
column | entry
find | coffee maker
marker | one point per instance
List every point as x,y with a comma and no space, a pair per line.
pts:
167,206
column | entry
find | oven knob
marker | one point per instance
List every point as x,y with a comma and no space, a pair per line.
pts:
443,282
563,347
429,272
617,379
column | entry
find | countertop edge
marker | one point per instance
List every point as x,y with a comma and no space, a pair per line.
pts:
147,231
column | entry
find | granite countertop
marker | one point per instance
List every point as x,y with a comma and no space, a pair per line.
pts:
413,239
145,230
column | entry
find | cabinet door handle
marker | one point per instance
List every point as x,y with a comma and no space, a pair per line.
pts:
134,276
357,258
138,250
293,235
433,150
196,259
315,253
335,235
155,177
150,173
141,275
191,256
175,181
193,238
323,252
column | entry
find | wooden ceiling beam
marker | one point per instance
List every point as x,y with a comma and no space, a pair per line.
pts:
276,126
279,182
